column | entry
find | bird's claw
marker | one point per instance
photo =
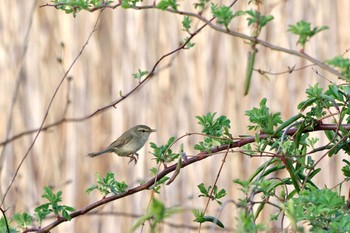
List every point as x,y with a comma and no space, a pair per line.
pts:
134,157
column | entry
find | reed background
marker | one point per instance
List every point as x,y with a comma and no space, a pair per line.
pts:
206,78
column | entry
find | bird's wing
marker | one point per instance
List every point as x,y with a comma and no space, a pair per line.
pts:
122,140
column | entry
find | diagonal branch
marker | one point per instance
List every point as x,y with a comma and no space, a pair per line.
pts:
48,109
169,169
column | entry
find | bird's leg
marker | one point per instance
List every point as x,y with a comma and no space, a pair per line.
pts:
132,157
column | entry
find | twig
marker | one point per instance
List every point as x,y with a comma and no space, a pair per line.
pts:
5,220
19,80
169,169
48,109
215,182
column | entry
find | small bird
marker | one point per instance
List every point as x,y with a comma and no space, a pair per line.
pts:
128,143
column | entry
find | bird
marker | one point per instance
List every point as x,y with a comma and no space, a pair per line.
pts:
128,143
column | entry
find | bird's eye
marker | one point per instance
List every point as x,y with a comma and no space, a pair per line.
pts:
142,130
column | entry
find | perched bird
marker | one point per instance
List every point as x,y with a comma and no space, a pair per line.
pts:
128,143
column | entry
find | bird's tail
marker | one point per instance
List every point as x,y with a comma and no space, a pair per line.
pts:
93,154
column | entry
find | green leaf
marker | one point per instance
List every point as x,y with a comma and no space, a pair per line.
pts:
203,189
223,14
256,18
201,4
249,70
165,4
214,220
108,185
163,153
319,208
262,119
186,23
343,64
23,220
304,31
157,212
140,74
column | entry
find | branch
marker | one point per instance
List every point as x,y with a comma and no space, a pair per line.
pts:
169,169
114,103
7,227
48,109
225,30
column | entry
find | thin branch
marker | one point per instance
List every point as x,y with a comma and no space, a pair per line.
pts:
250,38
114,103
215,182
19,81
227,31
169,169
48,109
5,220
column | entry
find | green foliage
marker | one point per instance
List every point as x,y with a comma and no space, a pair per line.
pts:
108,185
129,3
201,5
346,169
301,168
156,214
317,101
255,18
164,154
186,23
140,74
165,4
296,194
262,119
200,217
304,31
246,223
249,70
217,194
216,128
223,14
322,209
75,6
189,44
23,220
156,187
3,226
343,64
52,205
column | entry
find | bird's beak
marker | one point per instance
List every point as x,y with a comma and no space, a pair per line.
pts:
153,130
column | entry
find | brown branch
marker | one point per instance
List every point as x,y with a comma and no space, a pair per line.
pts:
114,103
169,169
210,24
215,182
252,39
230,32
7,227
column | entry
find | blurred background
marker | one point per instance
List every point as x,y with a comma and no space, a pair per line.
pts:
207,78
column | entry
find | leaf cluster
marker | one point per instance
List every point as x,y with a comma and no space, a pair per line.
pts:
163,153
206,192
75,6
342,63
304,31
262,119
156,214
200,217
108,185
52,206
216,128
324,210
157,185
